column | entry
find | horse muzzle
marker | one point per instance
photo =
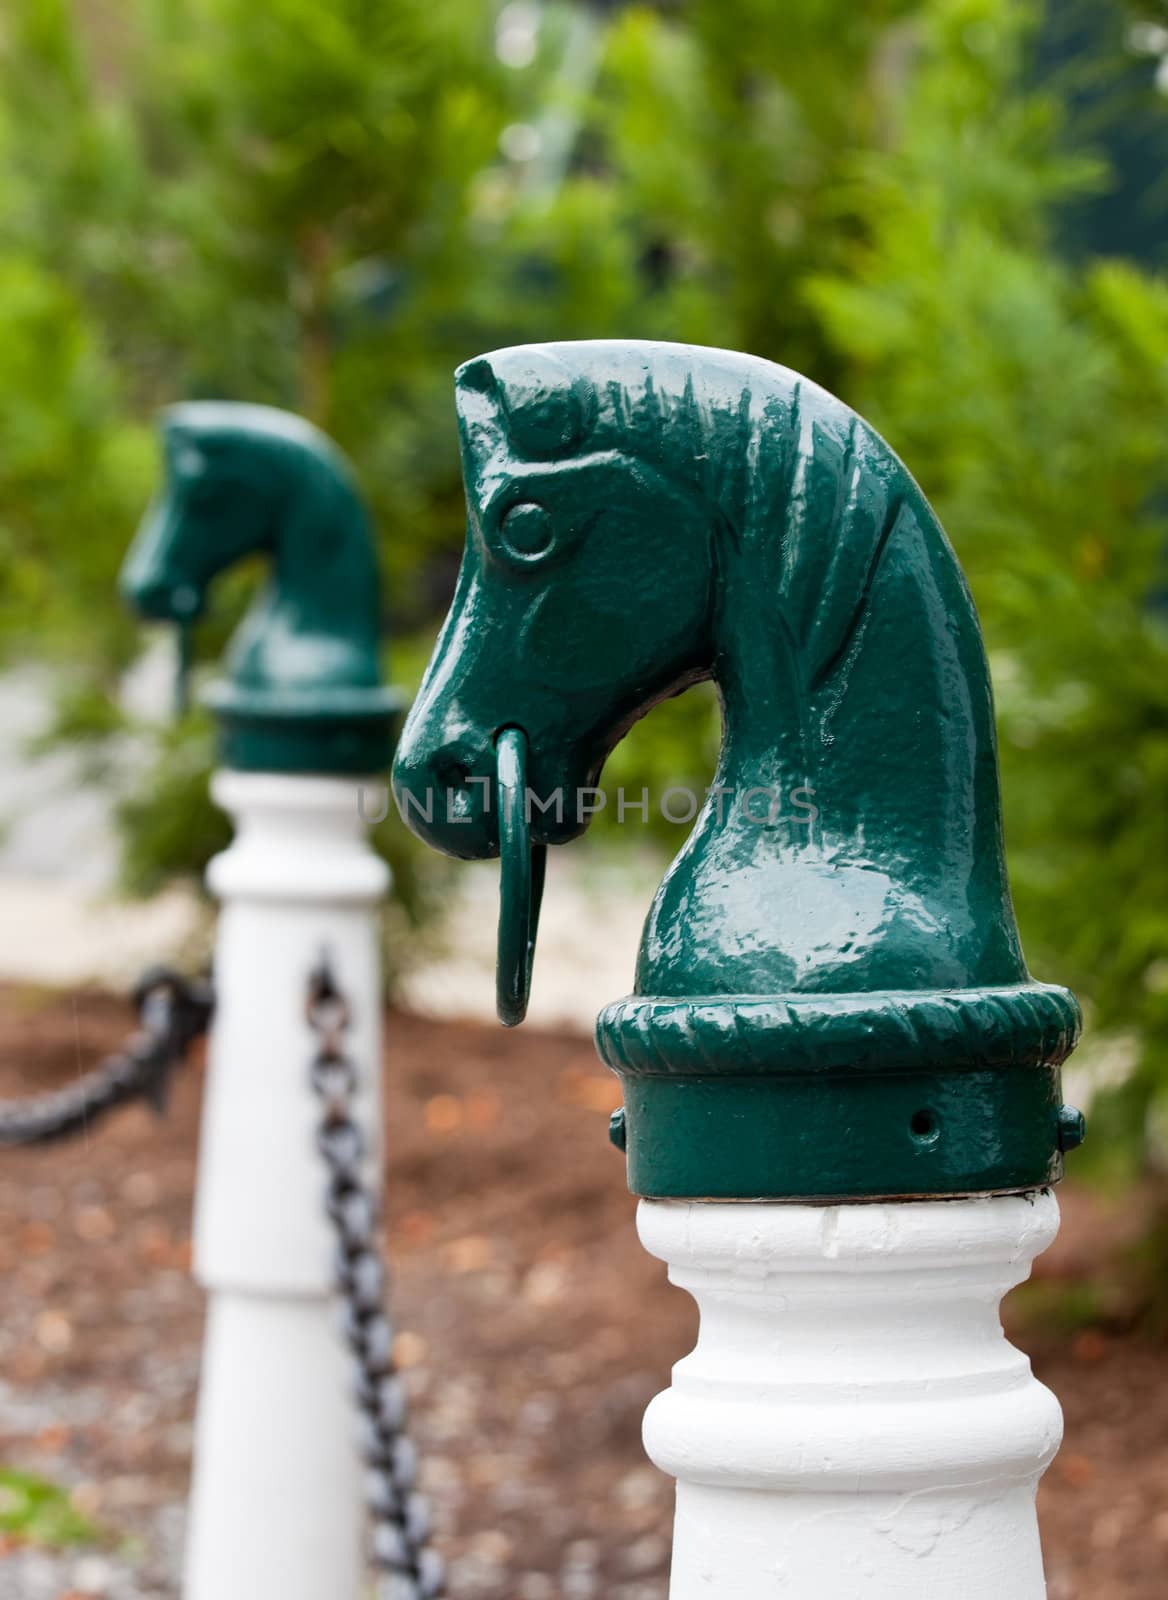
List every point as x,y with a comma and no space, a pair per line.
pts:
446,796
149,582
162,601
472,815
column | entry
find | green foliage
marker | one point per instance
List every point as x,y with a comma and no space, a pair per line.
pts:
40,1512
169,824
171,829
1032,399
70,469
307,204
266,202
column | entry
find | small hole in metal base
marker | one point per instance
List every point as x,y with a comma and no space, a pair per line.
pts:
925,1126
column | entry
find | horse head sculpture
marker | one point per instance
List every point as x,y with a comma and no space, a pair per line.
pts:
830,992
304,689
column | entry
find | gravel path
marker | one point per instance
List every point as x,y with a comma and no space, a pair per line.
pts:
535,1332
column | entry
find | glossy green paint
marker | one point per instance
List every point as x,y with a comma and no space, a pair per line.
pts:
303,690
522,867
831,998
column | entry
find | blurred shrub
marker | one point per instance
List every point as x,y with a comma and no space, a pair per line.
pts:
1032,401
34,1511
328,206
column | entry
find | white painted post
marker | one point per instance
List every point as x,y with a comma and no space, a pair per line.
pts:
853,1424
276,1502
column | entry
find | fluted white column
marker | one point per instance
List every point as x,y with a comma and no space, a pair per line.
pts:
276,1495
853,1424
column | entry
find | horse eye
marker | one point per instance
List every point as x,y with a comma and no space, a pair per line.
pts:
189,462
527,530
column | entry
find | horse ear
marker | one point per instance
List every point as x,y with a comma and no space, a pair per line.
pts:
478,375
547,408
183,450
550,409
191,452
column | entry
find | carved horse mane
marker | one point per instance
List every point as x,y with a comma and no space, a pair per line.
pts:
845,647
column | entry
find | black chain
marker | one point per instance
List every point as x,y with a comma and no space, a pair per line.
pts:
173,1012
407,1568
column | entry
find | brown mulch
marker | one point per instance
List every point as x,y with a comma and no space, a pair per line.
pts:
536,1330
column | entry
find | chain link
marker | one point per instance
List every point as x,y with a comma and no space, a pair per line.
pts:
173,1012
407,1568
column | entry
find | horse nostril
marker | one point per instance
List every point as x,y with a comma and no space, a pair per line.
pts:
160,600
451,774
461,796
184,601
439,796
149,599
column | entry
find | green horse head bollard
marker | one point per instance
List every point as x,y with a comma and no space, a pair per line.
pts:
831,999
303,691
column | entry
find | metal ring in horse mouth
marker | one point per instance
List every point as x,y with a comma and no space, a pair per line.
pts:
521,877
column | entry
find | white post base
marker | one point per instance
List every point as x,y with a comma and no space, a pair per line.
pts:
853,1424
276,1495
